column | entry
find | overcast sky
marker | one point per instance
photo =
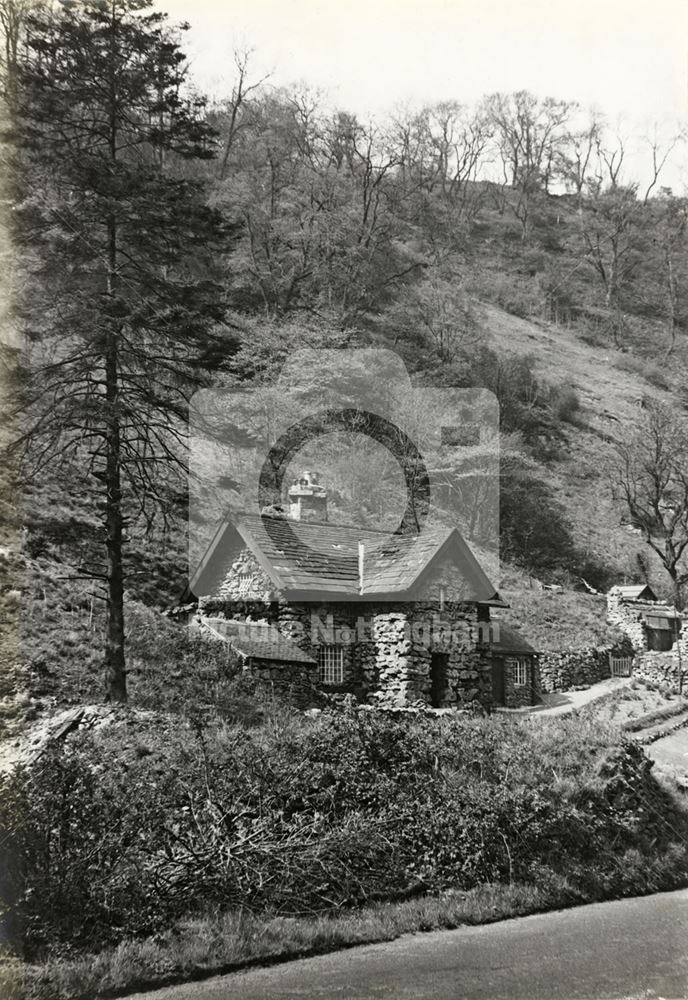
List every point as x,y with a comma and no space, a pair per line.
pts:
626,57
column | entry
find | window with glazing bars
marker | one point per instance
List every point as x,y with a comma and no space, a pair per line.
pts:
331,665
521,675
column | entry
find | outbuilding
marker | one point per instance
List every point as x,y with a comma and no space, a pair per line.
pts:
514,667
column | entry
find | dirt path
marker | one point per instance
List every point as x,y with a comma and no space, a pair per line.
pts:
671,750
564,702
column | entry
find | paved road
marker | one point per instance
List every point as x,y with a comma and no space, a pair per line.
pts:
635,948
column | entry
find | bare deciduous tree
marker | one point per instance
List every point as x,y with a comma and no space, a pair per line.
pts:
236,107
651,478
529,134
13,15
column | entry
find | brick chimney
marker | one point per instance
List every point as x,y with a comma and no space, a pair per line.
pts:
307,498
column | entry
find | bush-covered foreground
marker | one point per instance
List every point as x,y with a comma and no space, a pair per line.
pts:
140,830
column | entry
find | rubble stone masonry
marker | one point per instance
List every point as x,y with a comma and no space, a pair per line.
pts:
567,669
388,648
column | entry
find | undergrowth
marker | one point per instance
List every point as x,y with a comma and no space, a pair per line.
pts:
129,830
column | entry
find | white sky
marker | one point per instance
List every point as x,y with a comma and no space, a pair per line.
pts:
626,57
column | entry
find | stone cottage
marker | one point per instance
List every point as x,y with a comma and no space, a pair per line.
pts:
395,620
649,624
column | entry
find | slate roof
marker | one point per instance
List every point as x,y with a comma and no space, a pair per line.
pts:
257,640
316,558
650,609
510,641
635,591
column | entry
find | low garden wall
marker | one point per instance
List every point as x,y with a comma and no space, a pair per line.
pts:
567,669
295,682
658,668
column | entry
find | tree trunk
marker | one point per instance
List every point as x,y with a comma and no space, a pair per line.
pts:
115,669
676,586
672,298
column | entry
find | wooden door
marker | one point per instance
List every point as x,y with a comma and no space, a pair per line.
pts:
498,680
659,639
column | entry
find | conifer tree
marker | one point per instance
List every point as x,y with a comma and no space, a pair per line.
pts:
122,304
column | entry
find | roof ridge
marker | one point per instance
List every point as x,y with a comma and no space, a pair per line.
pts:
322,524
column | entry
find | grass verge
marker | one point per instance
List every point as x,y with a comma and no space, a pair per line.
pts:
196,949
13,978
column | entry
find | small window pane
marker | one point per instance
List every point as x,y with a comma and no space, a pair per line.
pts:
521,678
330,665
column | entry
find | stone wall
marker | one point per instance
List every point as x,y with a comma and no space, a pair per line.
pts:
660,668
627,619
405,638
313,625
292,682
388,648
520,695
244,581
561,671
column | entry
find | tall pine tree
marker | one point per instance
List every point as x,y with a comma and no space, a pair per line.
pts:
122,305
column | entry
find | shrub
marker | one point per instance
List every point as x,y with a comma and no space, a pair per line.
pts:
112,836
564,403
646,369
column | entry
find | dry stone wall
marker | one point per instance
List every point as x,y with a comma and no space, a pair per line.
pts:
567,669
400,665
627,619
293,682
661,669
405,639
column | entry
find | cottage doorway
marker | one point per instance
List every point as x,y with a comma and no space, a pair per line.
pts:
498,680
438,678
659,639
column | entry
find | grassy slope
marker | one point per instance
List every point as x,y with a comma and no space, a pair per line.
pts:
610,397
554,621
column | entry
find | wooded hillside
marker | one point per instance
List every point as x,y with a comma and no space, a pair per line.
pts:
162,242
